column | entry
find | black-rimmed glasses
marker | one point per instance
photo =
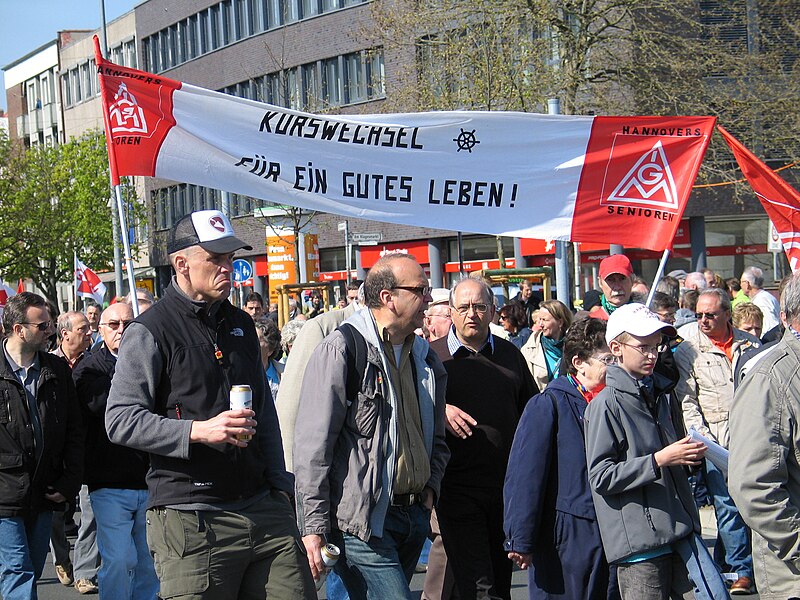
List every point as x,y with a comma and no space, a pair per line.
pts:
43,326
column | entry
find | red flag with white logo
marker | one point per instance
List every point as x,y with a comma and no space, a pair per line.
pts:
638,177
87,283
781,201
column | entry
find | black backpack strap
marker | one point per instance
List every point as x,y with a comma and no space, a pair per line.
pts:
356,347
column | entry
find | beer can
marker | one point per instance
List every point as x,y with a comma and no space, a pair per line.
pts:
330,555
242,397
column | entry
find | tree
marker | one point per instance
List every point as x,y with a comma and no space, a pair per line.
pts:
55,204
735,59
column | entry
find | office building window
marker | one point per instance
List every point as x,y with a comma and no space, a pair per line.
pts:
225,23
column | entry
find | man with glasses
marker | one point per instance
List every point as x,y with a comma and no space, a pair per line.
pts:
115,475
709,361
488,386
41,443
369,447
437,317
75,333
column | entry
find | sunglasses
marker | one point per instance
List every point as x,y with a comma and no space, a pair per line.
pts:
116,324
422,290
43,326
710,316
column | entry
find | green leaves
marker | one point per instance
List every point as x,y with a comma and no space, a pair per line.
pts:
54,203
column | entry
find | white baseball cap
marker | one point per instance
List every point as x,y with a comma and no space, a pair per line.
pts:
636,319
209,229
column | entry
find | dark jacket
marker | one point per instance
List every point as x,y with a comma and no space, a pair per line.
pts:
177,363
25,473
549,511
639,506
107,465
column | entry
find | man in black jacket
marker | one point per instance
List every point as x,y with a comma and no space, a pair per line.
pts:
41,443
115,475
219,490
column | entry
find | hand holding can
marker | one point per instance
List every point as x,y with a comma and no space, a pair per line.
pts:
242,398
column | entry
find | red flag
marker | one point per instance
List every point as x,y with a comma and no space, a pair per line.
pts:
21,285
87,283
5,293
781,201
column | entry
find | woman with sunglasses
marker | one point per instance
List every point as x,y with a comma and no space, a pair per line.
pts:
514,319
543,350
549,517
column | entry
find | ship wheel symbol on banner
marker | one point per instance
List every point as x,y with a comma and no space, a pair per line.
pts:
466,140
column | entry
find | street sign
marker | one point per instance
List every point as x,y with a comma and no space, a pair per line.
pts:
774,241
342,226
366,239
242,270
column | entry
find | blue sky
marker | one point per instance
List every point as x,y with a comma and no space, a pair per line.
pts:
27,24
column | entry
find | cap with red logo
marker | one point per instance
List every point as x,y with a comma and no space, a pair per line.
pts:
616,263
209,229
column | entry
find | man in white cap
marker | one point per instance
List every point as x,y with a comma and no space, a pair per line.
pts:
437,317
220,522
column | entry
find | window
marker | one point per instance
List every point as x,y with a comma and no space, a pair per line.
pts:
228,22
215,27
332,81
67,91
202,31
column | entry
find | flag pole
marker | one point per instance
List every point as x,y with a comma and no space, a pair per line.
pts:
659,275
75,278
115,182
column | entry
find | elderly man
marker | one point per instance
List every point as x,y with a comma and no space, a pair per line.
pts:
437,317
488,386
764,474
616,282
709,360
219,491
115,475
144,299
369,450
41,443
752,282
76,337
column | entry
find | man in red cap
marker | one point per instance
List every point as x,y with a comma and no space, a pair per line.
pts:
616,281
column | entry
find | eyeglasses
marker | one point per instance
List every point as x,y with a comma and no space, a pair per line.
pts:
480,309
606,359
667,317
422,290
710,316
43,326
502,317
115,324
648,350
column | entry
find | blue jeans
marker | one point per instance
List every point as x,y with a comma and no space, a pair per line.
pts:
126,570
731,528
703,571
382,568
23,550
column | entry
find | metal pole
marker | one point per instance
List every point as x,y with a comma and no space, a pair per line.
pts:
127,246
118,281
348,259
657,278
576,252
460,238
562,251
521,263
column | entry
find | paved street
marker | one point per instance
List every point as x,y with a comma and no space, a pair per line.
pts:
51,589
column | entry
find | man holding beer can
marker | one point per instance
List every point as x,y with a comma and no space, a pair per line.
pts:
220,523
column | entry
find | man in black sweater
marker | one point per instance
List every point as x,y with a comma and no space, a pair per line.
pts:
488,386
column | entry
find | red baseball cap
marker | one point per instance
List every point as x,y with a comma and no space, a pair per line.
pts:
616,263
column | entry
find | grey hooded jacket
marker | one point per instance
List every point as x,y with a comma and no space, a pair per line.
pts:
639,506
344,448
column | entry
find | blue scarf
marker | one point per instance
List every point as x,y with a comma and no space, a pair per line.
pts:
553,351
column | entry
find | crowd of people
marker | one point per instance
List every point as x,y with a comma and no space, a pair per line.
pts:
574,445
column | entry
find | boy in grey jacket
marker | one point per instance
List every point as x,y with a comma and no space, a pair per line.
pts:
648,519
